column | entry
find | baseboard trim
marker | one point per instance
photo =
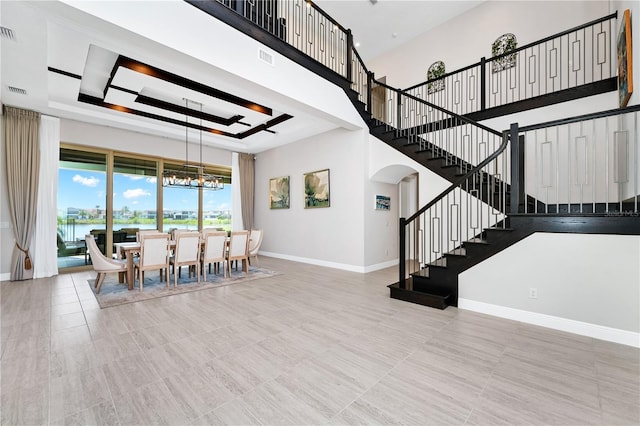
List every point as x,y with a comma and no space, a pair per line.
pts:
595,331
5,277
379,266
335,265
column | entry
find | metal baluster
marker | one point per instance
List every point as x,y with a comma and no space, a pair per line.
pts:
606,165
635,137
594,172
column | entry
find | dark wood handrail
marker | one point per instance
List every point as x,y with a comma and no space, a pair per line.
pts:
590,116
463,178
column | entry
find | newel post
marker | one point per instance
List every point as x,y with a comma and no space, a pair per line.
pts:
402,253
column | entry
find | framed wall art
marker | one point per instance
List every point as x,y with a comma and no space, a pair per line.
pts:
383,202
625,60
316,189
279,193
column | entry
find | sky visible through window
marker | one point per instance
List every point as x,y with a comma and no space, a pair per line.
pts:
86,190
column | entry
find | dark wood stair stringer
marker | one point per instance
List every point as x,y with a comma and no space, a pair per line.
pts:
437,284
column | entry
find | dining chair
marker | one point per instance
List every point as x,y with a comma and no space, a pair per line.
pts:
143,232
186,253
215,250
102,264
255,240
154,254
238,250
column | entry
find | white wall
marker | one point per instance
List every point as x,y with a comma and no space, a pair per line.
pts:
332,236
592,279
465,39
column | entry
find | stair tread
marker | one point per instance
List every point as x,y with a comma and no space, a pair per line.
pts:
424,273
477,241
440,263
498,229
460,251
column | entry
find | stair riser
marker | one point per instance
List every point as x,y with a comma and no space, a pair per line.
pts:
420,298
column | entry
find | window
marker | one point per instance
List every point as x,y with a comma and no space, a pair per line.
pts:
111,206
135,195
82,191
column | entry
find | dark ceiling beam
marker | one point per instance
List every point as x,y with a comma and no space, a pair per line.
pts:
168,106
152,71
99,102
265,126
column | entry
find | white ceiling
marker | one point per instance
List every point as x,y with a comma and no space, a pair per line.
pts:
54,35
380,26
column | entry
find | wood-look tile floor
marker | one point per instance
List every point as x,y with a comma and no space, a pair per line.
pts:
310,346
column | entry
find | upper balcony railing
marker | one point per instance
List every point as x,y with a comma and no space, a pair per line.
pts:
303,25
572,58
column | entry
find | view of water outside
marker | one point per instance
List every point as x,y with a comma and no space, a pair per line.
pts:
82,201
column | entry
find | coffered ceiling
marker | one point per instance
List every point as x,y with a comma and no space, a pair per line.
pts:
65,63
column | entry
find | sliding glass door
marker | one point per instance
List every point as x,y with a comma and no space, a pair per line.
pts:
113,195
82,209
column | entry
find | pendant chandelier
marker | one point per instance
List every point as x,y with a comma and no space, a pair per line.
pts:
191,175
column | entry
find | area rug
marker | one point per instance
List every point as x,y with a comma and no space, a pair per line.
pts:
113,293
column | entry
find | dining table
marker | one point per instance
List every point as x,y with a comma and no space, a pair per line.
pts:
127,250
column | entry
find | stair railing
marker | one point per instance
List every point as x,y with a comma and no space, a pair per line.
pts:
582,165
456,215
569,59
478,199
455,140
300,23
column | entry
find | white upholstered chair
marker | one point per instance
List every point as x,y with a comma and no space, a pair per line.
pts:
255,240
103,265
141,233
215,250
238,250
186,253
154,254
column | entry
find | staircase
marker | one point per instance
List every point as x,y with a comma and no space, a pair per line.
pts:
500,192
432,278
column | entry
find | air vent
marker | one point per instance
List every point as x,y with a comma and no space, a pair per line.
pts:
7,33
265,57
17,90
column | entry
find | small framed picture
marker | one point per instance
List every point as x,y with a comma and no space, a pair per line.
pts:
383,202
316,189
279,192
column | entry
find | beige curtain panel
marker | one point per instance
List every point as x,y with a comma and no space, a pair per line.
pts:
246,169
21,138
